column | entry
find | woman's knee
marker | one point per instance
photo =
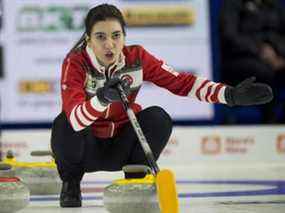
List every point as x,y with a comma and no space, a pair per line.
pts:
58,128
65,142
159,117
157,124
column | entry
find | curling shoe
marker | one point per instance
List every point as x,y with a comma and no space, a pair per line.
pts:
70,195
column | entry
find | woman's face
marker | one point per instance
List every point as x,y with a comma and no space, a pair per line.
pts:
107,41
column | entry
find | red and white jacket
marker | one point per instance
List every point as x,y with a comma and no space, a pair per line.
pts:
82,75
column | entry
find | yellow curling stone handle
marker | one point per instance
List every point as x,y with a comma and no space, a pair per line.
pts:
14,163
148,179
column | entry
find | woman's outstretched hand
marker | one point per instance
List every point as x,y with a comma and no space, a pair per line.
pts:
248,93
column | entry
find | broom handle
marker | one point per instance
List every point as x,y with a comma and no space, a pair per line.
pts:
132,117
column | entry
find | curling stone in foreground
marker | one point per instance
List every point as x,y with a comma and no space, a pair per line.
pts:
132,195
14,195
40,180
41,177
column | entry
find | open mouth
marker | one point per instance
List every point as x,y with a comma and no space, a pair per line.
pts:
109,55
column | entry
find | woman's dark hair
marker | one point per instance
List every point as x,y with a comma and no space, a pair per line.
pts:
101,12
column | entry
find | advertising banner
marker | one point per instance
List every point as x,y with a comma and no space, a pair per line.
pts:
187,146
217,145
36,36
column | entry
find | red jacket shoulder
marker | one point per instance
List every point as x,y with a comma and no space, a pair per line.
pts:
133,50
76,56
133,53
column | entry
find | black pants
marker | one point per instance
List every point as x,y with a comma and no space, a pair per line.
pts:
79,152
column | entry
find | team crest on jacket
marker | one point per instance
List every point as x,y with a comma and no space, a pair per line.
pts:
127,78
90,86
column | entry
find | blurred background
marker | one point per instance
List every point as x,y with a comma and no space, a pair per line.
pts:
222,40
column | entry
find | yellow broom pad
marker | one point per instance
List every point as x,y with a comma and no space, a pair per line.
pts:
166,192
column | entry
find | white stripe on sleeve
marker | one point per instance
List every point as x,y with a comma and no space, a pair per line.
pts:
221,95
199,81
213,89
90,117
204,90
74,123
81,117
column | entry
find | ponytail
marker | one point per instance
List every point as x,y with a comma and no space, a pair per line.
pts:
80,44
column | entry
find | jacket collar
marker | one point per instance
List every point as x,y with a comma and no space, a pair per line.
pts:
119,64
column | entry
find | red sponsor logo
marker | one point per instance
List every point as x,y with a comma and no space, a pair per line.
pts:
280,143
211,145
214,145
238,144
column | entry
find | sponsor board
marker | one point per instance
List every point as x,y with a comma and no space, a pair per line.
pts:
225,145
158,15
218,144
187,145
53,18
37,86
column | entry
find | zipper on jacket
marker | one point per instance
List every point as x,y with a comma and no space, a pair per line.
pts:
112,129
106,75
108,112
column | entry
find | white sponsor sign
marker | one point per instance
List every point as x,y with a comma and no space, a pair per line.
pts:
188,146
226,145
36,35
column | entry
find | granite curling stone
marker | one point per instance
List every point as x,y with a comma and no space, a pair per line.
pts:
132,195
6,170
41,177
40,180
14,194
